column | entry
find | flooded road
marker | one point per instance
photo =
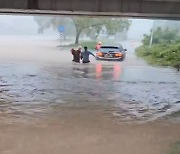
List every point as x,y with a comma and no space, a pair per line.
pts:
56,106
130,92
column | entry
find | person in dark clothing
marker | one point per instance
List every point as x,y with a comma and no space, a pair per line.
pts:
85,55
76,54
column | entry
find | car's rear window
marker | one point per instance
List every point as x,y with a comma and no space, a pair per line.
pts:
109,48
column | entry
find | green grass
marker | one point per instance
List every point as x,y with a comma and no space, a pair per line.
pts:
163,55
176,148
90,44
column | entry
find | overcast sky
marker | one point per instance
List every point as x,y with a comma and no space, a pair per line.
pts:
20,25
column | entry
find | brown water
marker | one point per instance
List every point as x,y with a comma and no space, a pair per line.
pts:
50,105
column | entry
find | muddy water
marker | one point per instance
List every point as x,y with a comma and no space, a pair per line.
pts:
103,107
140,93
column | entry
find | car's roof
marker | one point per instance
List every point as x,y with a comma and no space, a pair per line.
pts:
109,46
114,45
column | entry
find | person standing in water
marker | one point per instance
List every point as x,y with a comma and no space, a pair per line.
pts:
85,55
76,54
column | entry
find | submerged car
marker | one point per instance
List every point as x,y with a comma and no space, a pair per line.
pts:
111,53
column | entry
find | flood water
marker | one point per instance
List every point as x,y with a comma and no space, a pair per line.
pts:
107,107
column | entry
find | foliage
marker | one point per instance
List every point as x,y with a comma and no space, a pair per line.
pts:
43,23
112,25
171,24
87,24
162,54
162,36
90,44
176,148
54,22
165,49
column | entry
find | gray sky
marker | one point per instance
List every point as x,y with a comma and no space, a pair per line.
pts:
17,25
139,27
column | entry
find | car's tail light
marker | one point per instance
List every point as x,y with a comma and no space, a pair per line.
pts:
118,54
100,54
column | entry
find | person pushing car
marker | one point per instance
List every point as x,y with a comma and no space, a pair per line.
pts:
76,54
85,55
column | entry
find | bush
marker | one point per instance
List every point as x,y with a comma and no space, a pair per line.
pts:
176,148
90,44
168,55
162,36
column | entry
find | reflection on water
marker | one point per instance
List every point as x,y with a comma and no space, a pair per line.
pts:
98,70
129,93
116,71
80,72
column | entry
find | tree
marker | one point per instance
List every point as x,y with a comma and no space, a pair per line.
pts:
43,22
81,24
112,25
168,24
162,36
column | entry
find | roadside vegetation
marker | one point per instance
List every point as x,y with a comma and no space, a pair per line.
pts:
90,43
176,148
165,48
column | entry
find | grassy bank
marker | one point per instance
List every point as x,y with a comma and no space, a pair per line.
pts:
90,44
161,54
176,148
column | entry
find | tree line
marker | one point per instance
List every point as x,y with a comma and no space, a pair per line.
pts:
87,25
